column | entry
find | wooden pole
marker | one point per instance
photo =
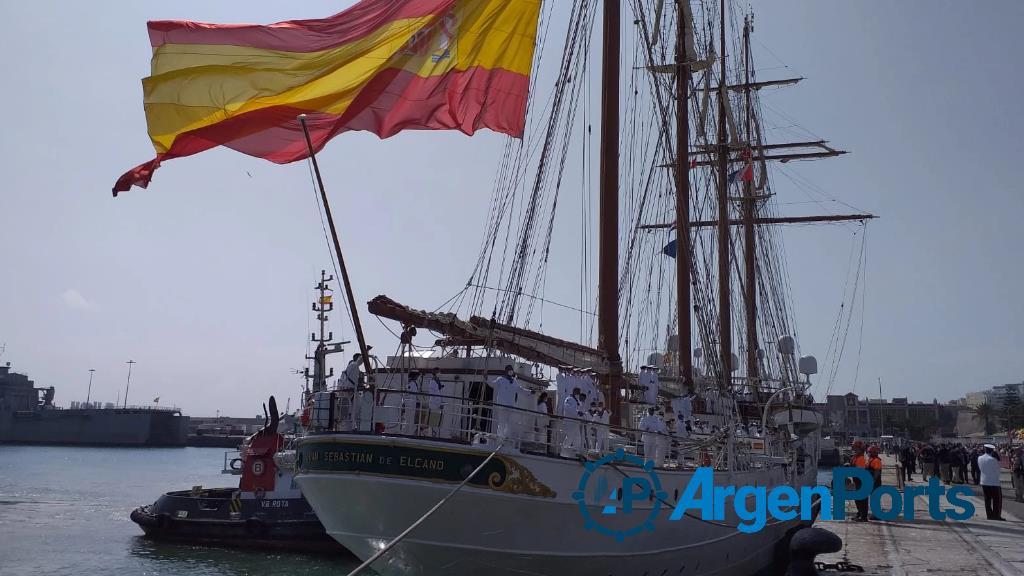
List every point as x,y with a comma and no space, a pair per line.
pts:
129,383
337,251
608,261
724,305
684,362
749,238
774,220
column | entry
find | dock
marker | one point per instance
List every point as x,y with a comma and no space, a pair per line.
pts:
977,546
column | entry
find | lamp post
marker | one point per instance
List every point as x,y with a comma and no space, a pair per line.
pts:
89,393
129,363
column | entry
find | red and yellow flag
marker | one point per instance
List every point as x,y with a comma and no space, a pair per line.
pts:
382,66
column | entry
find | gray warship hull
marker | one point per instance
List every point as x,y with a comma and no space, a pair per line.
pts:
94,427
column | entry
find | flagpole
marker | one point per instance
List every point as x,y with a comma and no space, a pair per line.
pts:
129,383
337,250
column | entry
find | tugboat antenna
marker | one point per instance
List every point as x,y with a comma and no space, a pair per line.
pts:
324,345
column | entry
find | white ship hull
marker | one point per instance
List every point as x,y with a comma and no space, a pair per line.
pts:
524,523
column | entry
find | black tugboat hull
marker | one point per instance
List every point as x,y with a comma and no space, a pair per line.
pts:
280,524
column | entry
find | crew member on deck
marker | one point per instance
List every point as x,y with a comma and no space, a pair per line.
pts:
541,420
683,408
649,427
409,400
571,432
346,390
604,418
650,382
506,395
362,398
663,440
432,405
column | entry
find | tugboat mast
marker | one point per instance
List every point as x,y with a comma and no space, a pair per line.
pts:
322,306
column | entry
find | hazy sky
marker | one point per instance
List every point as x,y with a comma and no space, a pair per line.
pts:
205,279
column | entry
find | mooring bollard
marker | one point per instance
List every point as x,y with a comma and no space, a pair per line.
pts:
805,545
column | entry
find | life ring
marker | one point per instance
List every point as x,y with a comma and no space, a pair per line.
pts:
237,461
255,527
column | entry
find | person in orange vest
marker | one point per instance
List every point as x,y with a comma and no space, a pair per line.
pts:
873,464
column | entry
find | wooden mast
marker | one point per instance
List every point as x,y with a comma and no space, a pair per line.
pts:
724,311
749,238
684,256
608,261
363,349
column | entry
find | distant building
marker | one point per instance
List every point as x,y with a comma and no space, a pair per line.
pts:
993,396
849,416
975,399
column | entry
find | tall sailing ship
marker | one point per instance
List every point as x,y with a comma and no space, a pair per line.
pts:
449,460
534,499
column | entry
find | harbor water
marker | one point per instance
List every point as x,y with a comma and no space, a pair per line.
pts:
64,512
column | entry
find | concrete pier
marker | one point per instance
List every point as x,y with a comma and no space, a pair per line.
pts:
924,546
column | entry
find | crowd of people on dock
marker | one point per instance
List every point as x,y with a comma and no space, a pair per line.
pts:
950,463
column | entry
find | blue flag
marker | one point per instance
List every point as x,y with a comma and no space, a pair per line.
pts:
669,249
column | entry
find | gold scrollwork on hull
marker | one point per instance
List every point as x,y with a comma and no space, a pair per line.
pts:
519,480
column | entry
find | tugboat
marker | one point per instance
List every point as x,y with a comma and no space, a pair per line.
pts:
265,510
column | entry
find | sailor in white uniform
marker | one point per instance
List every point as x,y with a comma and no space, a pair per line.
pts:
434,403
563,382
604,419
683,408
541,420
409,401
663,440
348,384
362,399
651,382
649,426
506,395
641,382
571,428
591,428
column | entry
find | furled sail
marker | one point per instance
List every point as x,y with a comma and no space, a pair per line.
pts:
527,344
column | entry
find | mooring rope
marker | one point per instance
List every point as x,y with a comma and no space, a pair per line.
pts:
423,518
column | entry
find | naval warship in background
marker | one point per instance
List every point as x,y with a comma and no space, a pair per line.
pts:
29,416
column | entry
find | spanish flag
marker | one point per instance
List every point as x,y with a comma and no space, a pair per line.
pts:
381,66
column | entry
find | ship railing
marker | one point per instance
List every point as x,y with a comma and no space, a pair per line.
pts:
465,421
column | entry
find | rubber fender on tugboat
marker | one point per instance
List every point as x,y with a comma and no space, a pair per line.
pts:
255,527
164,521
236,461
